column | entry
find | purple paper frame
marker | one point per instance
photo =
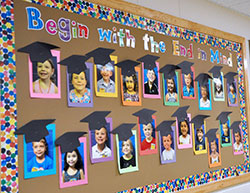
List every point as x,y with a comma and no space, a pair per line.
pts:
152,96
239,152
70,104
78,182
184,146
160,146
56,54
97,160
236,90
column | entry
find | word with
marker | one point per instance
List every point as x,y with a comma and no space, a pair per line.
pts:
115,37
180,50
65,31
221,59
153,44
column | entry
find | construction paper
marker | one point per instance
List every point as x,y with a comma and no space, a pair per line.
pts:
134,85
232,94
225,134
144,115
29,156
230,77
216,71
82,149
199,146
169,71
205,91
74,63
101,55
109,155
218,88
149,61
186,67
187,81
124,131
106,72
133,166
216,146
54,89
223,116
237,138
181,113
127,67
203,79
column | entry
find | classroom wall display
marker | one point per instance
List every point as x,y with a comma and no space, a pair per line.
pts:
78,27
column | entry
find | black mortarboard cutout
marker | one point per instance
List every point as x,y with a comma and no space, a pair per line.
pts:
149,61
165,127
145,116
181,113
38,51
169,70
96,119
216,71
127,67
230,77
75,63
101,55
223,116
124,131
34,130
186,67
202,78
211,134
235,127
198,120
69,141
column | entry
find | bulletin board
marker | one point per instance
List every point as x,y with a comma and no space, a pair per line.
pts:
190,172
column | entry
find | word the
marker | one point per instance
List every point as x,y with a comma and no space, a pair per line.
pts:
62,27
115,37
153,44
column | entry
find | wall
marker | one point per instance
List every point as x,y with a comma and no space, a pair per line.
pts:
212,15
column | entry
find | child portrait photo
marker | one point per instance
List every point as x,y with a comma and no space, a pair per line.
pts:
131,89
106,79
73,166
148,140
40,156
101,143
214,157
184,133
225,134
232,94
204,96
80,89
188,86
127,155
218,88
237,142
200,144
151,82
171,91
167,147
45,77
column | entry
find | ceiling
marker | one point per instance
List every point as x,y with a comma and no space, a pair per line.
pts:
240,6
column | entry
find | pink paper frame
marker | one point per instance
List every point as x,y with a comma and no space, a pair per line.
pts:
185,97
184,146
148,151
239,152
152,96
55,53
78,182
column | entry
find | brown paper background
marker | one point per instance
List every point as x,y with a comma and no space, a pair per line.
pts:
104,177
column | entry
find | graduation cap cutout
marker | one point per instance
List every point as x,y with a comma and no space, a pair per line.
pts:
149,61
181,113
165,127
96,119
211,134
101,55
198,120
145,115
34,130
230,77
124,131
202,78
169,70
127,67
216,71
186,67
223,116
69,141
75,63
236,127
38,51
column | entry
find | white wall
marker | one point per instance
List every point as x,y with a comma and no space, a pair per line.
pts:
212,15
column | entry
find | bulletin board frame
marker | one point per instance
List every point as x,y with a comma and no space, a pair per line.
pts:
153,21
